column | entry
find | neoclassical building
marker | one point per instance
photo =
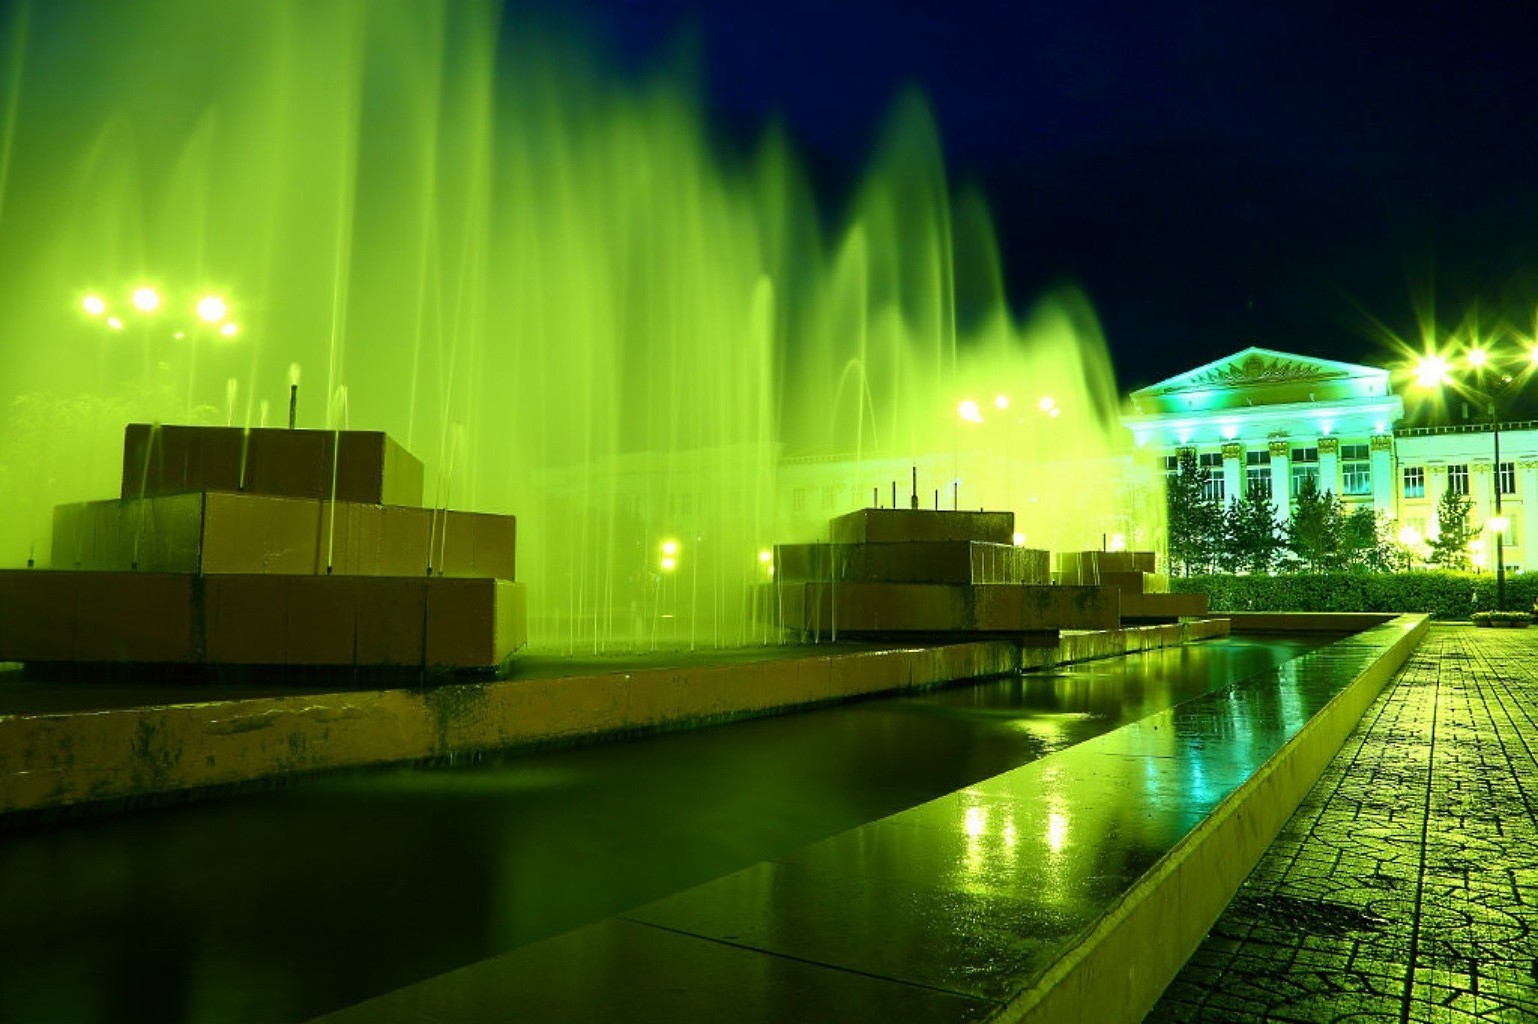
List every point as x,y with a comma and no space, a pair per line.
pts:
1267,419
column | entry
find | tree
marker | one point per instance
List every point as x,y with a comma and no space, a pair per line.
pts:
1316,530
1450,548
1251,537
1193,521
1368,542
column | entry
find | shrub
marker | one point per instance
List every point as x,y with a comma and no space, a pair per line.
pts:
1490,618
1443,594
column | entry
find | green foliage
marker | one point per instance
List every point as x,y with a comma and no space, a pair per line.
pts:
1441,593
1450,549
1251,539
1194,521
1316,529
1368,542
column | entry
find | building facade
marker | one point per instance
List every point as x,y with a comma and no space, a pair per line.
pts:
1271,420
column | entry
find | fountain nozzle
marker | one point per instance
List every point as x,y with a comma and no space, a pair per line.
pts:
293,404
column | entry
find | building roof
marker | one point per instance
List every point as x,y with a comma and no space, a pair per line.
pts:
1260,394
1260,376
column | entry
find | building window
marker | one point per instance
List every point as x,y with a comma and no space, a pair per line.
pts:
1507,478
1458,479
1355,469
1509,535
1211,464
1305,467
1415,481
1171,465
1257,473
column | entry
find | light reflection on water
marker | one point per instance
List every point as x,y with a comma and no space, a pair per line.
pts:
289,903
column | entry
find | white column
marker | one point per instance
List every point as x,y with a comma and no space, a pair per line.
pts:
1481,490
1281,479
1436,483
1527,491
1329,464
1233,471
1385,486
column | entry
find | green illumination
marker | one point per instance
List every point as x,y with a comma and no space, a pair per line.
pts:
1431,371
637,330
212,309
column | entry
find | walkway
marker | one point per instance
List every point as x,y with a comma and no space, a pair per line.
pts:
1405,888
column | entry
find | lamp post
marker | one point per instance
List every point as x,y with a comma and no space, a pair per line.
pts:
1433,371
211,314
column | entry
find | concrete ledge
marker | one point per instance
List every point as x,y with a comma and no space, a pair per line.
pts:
1114,643
1133,952
1304,622
60,759
55,760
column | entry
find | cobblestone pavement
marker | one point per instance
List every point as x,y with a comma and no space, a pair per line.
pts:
1405,888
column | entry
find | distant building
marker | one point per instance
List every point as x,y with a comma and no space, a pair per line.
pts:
1268,419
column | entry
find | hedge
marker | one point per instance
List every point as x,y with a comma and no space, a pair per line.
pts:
1443,594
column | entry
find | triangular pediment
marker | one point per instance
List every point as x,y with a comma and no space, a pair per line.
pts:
1261,368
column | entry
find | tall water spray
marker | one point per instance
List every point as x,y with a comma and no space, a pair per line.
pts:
550,284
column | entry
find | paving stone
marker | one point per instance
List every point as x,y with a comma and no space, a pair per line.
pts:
1405,888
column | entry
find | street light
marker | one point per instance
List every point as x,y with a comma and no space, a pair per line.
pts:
210,312
1434,370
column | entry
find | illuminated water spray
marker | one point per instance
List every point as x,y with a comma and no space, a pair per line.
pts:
550,285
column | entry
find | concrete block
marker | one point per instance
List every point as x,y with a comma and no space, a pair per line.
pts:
245,620
1162,607
1077,567
944,608
349,465
901,524
955,562
1087,566
256,619
50,615
229,532
1126,582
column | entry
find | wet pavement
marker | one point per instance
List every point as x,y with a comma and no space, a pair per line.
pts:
945,911
1405,888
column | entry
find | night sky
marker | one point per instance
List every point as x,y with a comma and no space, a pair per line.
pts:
1213,175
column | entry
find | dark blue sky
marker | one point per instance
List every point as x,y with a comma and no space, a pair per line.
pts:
1214,175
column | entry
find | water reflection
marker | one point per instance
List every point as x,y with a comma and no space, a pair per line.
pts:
286,904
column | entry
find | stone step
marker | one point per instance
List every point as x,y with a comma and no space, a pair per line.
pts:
247,619
934,608
216,532
946,561
901,524
348,465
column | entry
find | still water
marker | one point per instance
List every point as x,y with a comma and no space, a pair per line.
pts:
285,904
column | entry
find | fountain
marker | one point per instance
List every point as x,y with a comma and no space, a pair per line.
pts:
233,547
549,279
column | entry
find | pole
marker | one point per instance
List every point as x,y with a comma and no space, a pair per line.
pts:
1500,553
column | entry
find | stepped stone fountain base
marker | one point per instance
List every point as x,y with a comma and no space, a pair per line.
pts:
923,573
227,548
